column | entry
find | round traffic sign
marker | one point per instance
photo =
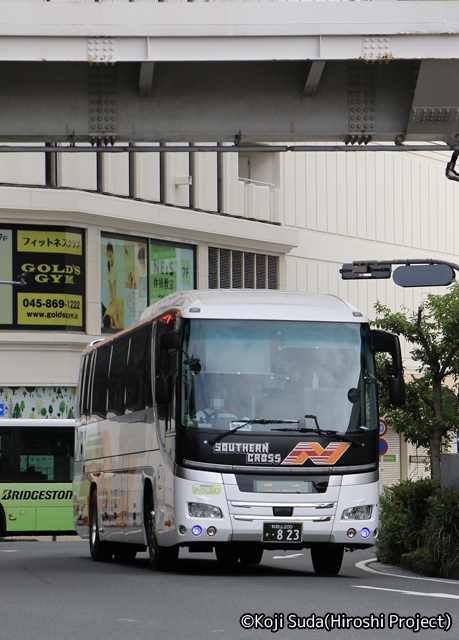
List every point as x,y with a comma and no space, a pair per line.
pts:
382,428
383,446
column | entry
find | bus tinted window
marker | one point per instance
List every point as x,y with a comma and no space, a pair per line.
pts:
117,377
100,386
46,454
138,380
6,454
83,400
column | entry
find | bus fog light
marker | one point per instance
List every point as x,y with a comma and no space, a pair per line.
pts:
361,512
199,510
375,533
365,532
351,533
182,529
196,530
211,531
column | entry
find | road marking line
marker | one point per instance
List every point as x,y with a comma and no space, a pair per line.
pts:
8,550
362,565
408,593
126,620
292,555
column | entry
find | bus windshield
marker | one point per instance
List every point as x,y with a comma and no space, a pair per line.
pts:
312,374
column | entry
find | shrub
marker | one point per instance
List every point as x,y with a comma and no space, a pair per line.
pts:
442,528
403,512
423,562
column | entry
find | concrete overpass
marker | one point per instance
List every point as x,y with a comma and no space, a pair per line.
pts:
382,71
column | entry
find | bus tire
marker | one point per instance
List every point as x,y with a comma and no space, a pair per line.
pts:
327,559
251,556
100,551
161,558
227,556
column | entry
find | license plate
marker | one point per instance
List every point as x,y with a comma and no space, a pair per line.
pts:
282,532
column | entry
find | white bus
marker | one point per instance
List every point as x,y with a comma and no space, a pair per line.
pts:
232,421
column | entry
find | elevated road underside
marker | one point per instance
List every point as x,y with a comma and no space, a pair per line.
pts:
229,72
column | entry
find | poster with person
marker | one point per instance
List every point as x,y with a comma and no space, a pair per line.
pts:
123,281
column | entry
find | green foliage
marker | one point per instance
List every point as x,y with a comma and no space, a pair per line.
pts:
441,533
415,419
430,416
422,519
403,509
424,563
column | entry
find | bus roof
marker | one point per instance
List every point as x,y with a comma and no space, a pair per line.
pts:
249,304
37,422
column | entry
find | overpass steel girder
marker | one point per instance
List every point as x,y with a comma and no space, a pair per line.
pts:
251,72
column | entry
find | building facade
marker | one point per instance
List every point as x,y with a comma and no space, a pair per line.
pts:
101,236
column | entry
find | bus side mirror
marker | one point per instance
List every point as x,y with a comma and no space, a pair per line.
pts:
397,394
387,342
169,341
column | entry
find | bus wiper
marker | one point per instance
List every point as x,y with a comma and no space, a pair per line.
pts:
244,424
302,426
322,432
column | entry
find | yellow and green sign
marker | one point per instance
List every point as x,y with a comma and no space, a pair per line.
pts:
53,260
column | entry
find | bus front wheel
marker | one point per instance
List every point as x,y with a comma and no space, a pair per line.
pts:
100,551
327,559
161,558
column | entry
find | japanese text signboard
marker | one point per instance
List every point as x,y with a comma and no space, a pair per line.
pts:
171,269
53,260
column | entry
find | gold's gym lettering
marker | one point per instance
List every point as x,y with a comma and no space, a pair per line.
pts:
53,273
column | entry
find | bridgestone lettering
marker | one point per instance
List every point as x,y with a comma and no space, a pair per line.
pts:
10,494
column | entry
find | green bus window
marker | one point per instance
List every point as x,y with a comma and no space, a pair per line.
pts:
46,454
6,454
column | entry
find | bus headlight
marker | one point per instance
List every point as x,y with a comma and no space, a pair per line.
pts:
198,510
361,512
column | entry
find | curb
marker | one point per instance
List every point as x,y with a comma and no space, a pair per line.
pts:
428,568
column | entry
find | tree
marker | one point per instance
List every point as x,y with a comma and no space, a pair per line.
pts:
430,416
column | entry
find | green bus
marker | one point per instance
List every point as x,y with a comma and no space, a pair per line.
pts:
36,472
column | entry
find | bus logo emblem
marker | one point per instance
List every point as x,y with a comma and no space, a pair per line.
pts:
313,450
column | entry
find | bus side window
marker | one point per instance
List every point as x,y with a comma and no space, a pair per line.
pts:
100,384
83,400
138,379
117,377
6,454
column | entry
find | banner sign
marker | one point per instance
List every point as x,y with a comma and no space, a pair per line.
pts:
53,260
123,280
171,269
136,272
